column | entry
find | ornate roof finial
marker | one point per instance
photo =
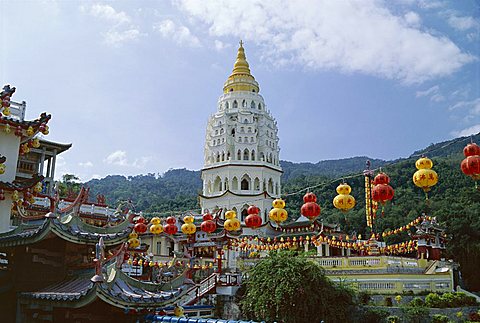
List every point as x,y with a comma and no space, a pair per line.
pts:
241,79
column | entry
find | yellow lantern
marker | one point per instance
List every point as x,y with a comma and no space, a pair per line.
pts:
36,143
7,128
15,196
6,111
155,220
232,224
278,214
156,228
133,243
133,235
188,219
2,169
178,311
344,201
30,131
38,187
278,203
425,177
189,228
230,214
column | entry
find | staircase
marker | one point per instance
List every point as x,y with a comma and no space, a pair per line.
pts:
196,292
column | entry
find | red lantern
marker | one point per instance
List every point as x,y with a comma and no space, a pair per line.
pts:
310,210
471,149
253,210
140,227
208,226
381,178
141,220
253,220
309,197
170,228
171,220
471,166
207,217
382,193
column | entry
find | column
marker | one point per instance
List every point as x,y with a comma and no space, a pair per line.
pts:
320,250
327,250
53,163
42,161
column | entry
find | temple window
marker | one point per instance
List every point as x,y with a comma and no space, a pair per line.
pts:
245,154
252,105
235,104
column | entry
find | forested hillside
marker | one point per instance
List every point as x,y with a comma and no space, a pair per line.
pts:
454,200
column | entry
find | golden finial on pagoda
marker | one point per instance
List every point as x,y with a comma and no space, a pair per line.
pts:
241,79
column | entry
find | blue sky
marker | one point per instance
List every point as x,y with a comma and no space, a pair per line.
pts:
132,83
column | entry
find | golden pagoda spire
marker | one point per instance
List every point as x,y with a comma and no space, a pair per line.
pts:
241,79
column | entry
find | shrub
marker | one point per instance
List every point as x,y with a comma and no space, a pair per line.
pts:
417,302
393,319
374,315
418,314
434,300
439,318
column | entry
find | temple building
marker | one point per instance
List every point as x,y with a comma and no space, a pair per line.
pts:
241,159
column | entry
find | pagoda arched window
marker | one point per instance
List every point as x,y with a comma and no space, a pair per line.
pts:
262,156
245,121
253,154
244,212
252,105
270,186
218,157
223,156
245,184
249,129
259,106
217,184
233,132
226,105
239,139
239,155
235,104
228,156
245,154
235,184
225,184
256,184
244,103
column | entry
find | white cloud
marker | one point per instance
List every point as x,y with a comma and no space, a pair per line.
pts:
219,45
86,164
412,19
473,106
351,36
178,33
119,158
121,29
462,23
433,93
473,130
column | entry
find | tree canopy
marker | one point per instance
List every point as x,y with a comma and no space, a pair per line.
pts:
287,287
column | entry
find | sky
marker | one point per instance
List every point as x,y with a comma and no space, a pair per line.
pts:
131,84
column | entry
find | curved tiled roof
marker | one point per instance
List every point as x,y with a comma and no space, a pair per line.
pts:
72,229
68,290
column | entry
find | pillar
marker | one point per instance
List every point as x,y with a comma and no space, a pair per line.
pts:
327,250
320,250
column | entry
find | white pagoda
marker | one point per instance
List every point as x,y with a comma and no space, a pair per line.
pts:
242,165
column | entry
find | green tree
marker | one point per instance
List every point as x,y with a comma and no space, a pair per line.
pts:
287,287
70,184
